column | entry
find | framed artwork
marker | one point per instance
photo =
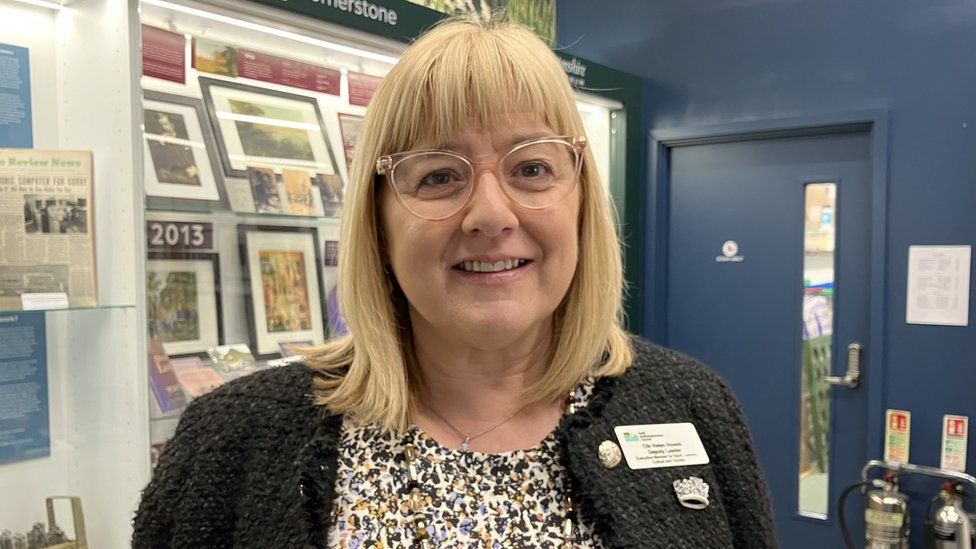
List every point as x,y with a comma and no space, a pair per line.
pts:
180,172
350,128
331,191
264,190
266,128
183,301
282,286
298,189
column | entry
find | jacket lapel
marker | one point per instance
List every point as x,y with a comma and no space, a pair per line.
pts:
621,502
310,492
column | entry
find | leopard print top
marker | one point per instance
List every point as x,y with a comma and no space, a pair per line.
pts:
514,499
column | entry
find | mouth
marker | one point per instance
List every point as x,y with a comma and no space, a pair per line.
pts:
488,267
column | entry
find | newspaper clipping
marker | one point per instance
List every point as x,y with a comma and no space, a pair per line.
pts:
46,232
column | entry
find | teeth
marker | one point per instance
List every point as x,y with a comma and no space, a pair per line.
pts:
483,267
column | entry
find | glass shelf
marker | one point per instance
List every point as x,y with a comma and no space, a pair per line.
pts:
67,309
241,215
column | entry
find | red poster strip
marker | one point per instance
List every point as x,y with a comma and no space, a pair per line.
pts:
287,72
361,88
163,54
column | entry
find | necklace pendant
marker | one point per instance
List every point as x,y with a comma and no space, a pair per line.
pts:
464,445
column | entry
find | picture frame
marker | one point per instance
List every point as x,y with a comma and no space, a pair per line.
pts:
260,127
350,128
184,302
181,169
282,285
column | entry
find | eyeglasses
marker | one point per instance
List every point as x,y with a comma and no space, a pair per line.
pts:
436,184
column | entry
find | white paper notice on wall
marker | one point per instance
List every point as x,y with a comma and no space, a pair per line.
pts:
938,285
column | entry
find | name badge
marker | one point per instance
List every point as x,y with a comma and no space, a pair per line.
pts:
661,445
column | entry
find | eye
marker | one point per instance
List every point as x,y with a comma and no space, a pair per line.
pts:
535,169
439,178
439,184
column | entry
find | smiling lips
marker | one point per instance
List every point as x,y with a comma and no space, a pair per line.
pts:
488,267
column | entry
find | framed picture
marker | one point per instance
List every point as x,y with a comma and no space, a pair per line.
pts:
180,171
282,286
264,190
331,191
350,127
298,189
183,301
266,128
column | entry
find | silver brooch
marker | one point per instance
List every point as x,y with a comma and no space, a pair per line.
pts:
609,454
692,492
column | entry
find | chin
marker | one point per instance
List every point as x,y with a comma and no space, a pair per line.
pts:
497,332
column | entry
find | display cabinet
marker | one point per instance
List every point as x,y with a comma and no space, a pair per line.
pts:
250,118
81,98
219,134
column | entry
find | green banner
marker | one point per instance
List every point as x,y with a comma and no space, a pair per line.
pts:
395,19
538,15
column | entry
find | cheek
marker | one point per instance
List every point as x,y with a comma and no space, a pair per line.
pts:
410,246
566,230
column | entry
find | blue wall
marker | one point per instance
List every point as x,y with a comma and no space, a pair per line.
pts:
708,62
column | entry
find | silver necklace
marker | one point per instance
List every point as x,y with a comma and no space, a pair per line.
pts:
468,437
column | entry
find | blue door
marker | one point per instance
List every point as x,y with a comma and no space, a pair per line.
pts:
768,264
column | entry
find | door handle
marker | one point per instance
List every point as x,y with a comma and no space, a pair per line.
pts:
853,376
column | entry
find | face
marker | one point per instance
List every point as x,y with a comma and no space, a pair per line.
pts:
485,310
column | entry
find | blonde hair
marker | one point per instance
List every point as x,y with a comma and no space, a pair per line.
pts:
463,74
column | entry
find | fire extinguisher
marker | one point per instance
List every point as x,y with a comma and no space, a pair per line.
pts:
950,527
885,515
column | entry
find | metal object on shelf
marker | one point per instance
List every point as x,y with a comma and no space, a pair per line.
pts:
78,520
53,537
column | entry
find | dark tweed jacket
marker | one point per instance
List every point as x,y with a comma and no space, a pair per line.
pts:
253,464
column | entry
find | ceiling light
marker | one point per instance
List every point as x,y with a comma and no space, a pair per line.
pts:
43,4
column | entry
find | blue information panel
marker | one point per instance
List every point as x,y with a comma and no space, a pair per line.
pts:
15,98
25,431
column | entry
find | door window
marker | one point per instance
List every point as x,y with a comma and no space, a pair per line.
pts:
818,312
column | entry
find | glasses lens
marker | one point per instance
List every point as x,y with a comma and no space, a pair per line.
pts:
433,184
540,174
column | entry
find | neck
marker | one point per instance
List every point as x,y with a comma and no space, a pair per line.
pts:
461,376
475,387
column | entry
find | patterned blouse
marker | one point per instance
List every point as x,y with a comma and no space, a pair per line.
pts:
514,499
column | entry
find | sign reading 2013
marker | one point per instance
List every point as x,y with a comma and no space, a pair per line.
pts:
179,235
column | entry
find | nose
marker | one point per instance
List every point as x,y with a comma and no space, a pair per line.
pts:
490,211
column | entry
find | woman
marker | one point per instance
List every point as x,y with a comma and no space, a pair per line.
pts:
475,401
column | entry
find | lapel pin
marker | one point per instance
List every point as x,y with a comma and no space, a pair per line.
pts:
609,454
692,492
